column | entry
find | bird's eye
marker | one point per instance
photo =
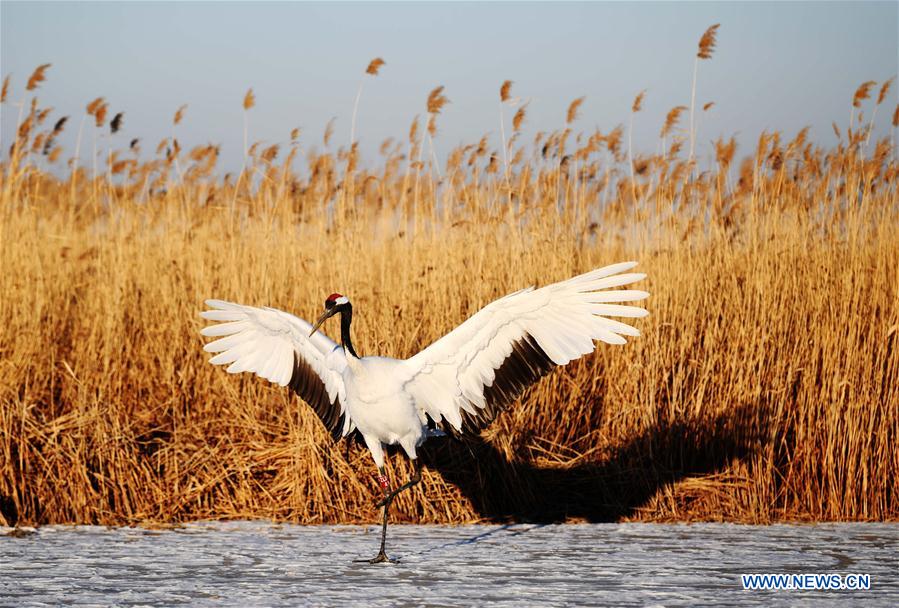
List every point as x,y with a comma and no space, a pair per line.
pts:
329,303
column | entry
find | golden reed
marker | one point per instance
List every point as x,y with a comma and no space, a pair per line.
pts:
765,385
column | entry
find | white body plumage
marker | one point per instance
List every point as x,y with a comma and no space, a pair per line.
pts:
380,407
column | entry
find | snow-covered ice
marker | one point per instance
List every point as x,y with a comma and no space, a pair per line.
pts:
265,564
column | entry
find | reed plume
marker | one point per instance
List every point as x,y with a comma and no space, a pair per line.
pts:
638,102
25,128
436,100
119,166
4,93
519,117
435,103
671,120
249,100
374,65
707,42
37,77
413,130
179,113
51,137
724,152
884,89
116,123
270,153
329,132
862,92
38,142
100,114
635,107
504,97
706,47
93,106
573,108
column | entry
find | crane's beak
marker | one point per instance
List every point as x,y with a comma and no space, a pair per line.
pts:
327,313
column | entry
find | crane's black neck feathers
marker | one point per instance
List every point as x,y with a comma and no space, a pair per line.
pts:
346,318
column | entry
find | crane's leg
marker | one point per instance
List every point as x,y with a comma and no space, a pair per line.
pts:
385,502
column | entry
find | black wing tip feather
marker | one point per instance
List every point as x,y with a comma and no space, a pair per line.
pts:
311,389
524,366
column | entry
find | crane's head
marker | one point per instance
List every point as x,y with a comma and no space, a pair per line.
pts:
334,304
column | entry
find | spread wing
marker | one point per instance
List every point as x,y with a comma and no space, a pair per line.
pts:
474,372
276,346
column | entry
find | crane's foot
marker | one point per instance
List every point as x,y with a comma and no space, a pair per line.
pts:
380,559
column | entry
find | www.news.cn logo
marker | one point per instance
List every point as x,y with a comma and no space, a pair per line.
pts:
836,582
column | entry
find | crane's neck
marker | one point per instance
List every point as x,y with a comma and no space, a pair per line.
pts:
346,319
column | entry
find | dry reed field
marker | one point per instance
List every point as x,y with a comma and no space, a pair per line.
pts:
764,387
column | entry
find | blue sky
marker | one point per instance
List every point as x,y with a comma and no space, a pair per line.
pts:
780,65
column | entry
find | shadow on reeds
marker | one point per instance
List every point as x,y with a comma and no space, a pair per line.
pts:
502,490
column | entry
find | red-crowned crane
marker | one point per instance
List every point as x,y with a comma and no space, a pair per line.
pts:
458,384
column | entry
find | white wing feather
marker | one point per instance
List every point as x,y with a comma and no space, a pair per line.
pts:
450,376
264,341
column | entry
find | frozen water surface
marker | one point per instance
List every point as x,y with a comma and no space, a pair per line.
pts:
264,564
